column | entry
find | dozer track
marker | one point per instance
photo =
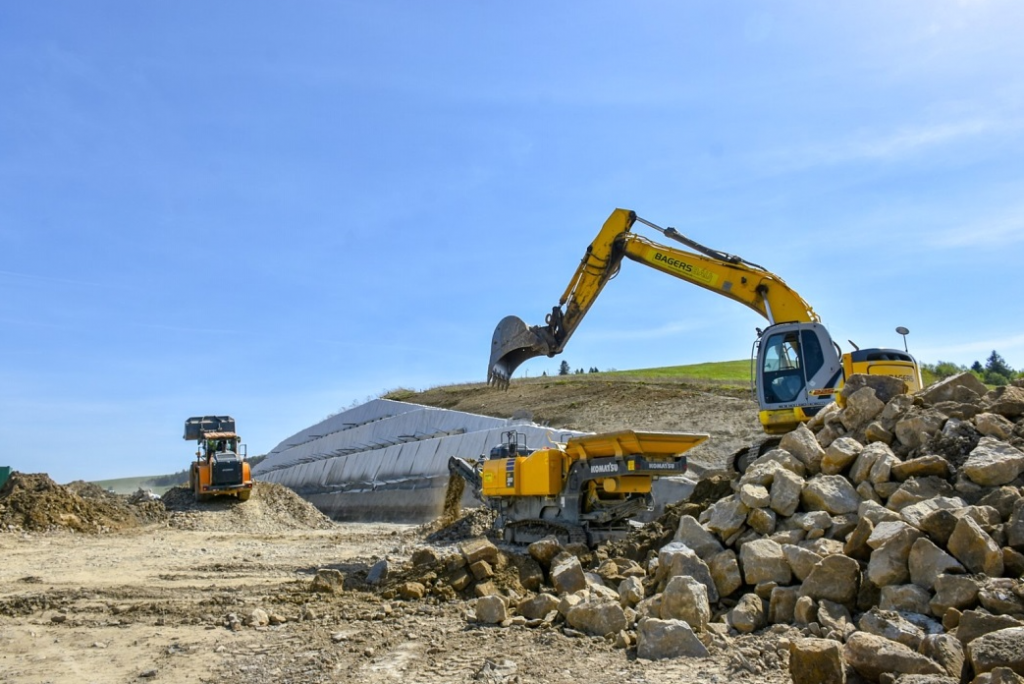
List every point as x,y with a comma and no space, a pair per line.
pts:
529,531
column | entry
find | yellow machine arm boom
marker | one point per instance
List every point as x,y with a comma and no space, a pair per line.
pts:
725,274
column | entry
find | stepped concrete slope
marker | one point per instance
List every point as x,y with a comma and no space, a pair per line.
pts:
388,460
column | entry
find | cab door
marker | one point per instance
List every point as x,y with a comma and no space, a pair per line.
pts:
798,366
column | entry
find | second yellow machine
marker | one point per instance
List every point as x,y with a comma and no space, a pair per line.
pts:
585,490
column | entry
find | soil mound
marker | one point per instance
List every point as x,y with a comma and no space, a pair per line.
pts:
271,508
35,503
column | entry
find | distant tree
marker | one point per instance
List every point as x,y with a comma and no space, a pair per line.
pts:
998,366
544,374
943,369
563,368
992,378
977,367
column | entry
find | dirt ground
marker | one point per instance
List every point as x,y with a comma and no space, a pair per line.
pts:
158,603
223,591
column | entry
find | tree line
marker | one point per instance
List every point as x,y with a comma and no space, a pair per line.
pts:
995,370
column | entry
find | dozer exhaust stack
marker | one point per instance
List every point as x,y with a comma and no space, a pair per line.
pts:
515,343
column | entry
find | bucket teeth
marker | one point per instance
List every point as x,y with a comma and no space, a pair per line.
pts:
512,344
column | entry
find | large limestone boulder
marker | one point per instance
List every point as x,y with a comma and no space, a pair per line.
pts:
993,425
993,463
872,656
915,514
782,605
785,490
802,443
927,561
974,624
946,650
954,591
537,607
657,639
600,618
917,427
970,545
686,599
480,549
963,387
916,490
836,578
831,493
726,516
567,575
631,591
1004,648
923,466
725,571
840,454
693,534
1008,401
763,560
861,468
889,560
861,408
893,626
679,559
748,615
800,560
491,610
544,550
816,661
885,387
905,598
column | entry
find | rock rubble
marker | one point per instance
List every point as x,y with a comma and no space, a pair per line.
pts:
883,540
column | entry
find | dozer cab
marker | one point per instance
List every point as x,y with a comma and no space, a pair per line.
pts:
584,491
220,468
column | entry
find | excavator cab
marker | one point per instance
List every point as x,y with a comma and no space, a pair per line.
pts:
798,371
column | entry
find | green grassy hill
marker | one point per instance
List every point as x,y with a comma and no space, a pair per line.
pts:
724,372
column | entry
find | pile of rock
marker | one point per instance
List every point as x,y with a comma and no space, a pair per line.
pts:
32,502
889,531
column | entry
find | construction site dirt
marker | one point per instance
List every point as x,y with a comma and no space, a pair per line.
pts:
883,541
224,591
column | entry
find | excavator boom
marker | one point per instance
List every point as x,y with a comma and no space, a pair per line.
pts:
514,342
798,365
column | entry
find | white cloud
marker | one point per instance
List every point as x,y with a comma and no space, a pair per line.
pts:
993,231
898,144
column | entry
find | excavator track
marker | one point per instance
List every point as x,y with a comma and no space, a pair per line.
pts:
529,531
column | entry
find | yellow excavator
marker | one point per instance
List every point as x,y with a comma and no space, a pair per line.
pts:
799,368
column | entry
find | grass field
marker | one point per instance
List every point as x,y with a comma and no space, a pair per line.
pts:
719,372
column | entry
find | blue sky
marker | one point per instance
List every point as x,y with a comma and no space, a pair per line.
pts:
277,210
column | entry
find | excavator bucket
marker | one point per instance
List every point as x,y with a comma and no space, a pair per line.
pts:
513,343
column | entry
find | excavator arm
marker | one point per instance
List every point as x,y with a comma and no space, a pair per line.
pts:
514,342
